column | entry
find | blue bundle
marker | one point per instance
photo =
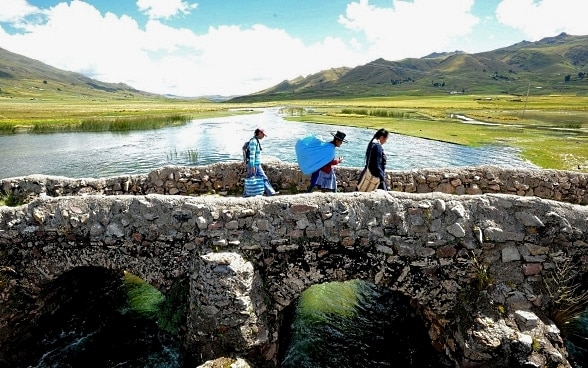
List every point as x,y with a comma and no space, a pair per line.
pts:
312,153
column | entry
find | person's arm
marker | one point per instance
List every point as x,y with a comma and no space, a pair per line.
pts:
328,167
381,171
253,155
376,155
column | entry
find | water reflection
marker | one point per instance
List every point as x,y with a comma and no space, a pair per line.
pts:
88,321
102,154
357,324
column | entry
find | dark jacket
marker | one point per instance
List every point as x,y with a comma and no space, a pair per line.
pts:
377,163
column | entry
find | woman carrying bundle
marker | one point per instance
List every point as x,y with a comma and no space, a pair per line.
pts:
325,177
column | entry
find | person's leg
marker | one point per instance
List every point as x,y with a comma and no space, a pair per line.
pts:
313,181
328,181
334,182
268,188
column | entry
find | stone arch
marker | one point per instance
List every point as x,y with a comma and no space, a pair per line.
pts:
39,265
424,282
85,315
350,304
237,309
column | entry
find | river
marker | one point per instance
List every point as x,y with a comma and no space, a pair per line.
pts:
104,154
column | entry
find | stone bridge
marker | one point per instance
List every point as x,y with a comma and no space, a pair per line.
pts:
474,266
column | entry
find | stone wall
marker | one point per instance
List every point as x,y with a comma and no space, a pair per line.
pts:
227,179
474,265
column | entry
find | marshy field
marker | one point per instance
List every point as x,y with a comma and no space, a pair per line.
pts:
551,131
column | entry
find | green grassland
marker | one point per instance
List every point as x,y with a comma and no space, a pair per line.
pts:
41,115
550,130
46,99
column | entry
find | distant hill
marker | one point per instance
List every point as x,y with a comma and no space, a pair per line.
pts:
24,77
556,64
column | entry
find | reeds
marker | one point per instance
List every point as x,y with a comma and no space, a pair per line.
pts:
108,124
190,155
567,297
379,112
131,123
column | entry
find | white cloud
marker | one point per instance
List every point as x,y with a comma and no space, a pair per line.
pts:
76,37
228,60
15,10
164,8
410,28
160,37
546,18
248,60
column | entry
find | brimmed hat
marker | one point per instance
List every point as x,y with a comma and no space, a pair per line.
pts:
339,135
260,130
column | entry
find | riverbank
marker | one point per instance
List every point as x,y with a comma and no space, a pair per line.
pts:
215,140
550,131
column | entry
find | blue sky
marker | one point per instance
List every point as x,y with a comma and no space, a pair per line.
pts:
232,47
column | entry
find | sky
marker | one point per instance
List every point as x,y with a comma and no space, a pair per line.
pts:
238,47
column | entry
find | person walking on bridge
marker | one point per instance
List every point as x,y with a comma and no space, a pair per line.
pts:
254,163
325,177
375,161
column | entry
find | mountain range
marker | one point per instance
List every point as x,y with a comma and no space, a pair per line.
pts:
555,65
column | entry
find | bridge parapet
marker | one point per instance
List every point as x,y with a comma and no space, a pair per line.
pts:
227,179
474,265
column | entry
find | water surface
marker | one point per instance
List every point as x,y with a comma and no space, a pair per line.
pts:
104,154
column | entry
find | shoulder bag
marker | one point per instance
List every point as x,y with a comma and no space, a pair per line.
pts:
368,182
254,186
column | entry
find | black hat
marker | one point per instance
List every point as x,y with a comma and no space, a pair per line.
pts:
339,135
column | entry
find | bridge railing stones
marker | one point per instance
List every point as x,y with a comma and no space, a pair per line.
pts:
227,179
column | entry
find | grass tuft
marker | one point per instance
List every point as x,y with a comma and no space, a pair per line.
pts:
568,298
142,297
11,200
339,298
480,271
149,302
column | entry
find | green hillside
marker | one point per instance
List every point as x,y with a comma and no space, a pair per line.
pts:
24,77
557,65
